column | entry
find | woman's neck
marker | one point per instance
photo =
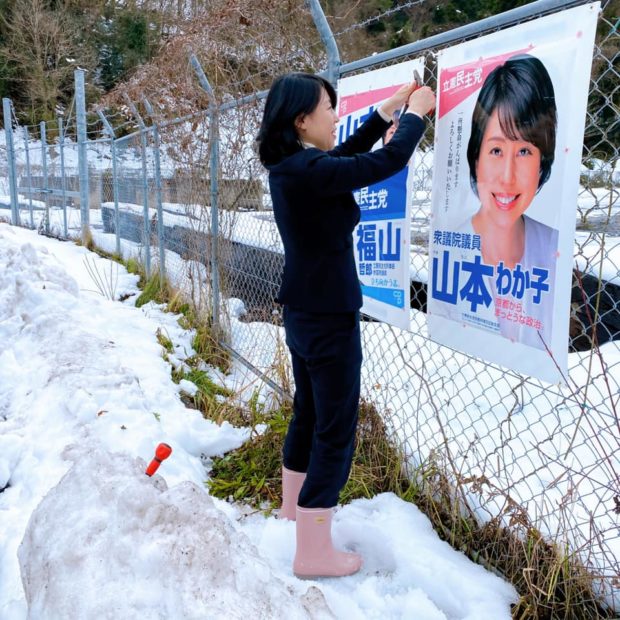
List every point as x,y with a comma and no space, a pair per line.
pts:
500,244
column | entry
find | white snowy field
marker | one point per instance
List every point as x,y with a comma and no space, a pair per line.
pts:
85,396
235,137
593,203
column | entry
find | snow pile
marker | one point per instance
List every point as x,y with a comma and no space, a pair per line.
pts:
108,541
75,366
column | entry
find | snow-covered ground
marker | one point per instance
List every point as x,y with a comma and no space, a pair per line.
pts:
529,441
536,446
85,396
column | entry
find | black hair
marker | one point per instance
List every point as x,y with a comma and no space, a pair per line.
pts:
290,96
522,93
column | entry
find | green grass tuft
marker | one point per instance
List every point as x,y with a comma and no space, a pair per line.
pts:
208,348
252,472
206,385
154,290
164,341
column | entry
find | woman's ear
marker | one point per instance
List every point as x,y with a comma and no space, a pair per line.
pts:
300,122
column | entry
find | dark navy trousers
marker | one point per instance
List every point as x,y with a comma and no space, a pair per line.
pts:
326,354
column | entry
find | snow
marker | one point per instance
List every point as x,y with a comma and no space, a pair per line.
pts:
595,203
597,257
535,465
142,548
57,368
85,396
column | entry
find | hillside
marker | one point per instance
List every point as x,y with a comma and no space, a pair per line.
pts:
141,47
43,41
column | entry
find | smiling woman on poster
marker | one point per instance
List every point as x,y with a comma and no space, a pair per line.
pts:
507,158
510,155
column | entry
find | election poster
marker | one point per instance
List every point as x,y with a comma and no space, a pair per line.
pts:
508,141
381,240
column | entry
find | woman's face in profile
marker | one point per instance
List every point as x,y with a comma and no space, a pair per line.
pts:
319,127
507,174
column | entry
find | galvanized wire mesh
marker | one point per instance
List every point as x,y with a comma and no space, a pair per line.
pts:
522,453
46,178
186,207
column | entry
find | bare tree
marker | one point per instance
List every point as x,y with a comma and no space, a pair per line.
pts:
42,46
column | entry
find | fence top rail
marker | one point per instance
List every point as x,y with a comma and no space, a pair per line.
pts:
188,117
105,140
128,136
475,28
182,119
243,100
157,125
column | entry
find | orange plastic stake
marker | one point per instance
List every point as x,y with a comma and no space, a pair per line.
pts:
162,452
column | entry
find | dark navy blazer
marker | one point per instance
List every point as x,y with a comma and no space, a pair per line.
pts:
316,213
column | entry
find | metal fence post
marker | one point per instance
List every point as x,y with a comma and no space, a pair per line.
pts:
63,179
45,179
110,131
28,174
145,185
80,108
214,173
160,212
10,150
327,36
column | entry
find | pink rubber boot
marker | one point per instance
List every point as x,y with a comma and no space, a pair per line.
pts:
292,482
315,555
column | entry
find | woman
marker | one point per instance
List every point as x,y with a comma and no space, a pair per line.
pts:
311,185
510,154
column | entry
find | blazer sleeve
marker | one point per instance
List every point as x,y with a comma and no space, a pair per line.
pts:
363,139
337,175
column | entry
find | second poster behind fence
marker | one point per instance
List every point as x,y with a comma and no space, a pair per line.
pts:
382,238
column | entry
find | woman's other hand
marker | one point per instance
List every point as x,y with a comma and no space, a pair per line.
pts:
398,99
422,100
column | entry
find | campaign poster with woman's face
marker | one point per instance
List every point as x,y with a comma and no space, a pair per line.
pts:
509,134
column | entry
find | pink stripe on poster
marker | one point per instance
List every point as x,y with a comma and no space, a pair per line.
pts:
358,101
458,83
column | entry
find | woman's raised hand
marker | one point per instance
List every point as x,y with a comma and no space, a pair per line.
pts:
398,99
422,100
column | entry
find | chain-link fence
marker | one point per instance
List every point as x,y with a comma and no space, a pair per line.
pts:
190,195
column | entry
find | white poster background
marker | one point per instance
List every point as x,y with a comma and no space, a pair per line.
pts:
564,44
384,225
